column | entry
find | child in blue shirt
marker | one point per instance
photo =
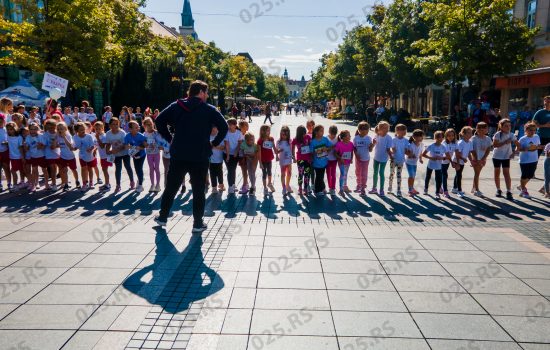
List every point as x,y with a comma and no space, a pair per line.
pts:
136,143
320,147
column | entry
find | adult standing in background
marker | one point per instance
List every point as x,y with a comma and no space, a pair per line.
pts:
542,121
191,120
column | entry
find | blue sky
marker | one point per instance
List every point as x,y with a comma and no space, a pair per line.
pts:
274,39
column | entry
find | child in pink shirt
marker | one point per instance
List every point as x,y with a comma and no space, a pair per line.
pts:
344,153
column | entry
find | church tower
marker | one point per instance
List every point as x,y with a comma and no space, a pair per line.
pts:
187,27
285,74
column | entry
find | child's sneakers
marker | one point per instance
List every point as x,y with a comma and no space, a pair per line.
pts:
266,191
271,187
437,196
390,190
454,191
499,193
231,190
425,191
289,189
358,190
461,194
117,189
412,193
221,187
363,192
509,195
252,191
373,191
478,193
132,185
399,194
99,181
333,191
139,189
244,189
214,190
157,188
284,191
525,194
300,192
152,189
382,194
446,194
346,189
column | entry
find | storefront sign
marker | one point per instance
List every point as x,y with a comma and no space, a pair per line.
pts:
524,81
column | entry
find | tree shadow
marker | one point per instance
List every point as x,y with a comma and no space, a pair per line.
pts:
175,289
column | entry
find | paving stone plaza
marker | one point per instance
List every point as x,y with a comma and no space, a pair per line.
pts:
94,271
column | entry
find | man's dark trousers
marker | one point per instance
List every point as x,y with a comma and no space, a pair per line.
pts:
176,172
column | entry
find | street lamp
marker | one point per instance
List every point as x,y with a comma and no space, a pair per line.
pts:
219,78
454,65
181,60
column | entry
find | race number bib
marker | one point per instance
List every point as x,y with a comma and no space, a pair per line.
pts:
286,155
133,151
305,150
321,153
111,158
267,145
346,155
361,144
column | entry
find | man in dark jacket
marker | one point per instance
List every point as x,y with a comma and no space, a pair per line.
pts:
191,120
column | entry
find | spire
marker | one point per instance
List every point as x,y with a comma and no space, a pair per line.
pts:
187,15
285,74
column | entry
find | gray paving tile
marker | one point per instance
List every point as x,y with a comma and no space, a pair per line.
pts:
13,293
243,298
528,330
293,299
514,305
94,276
124,248
374,324
292,322
441,302
258,342
347,253
494,285
437,344
83,340
7,259
520,257
437,244
6,309
288,264
113,340
353,281
20,247
73,294
461,256
540,285
49,260
130,318
103,318
35,339
451,326
394,243
527,346
494,246
274,252
68,247
382,343
344,300
424,283
237,321
352,266
485,270
291,280
24,276
47,317
403,254
217,342
33,236
414,268
529,271
107,261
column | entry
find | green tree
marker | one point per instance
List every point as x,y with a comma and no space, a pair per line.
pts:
276,89
483,34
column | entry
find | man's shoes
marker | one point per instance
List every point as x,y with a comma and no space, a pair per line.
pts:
199,228
160,221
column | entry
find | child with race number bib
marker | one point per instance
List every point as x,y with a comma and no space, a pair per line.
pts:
24,132
481,148
320,146
232,141
547,171
344,153
4,153
397,155
502,155
136,144
436,153
86,146
154,141
310,124
382,150
414,152
363,145
99,141
243,128
51,152
216,164
67,159
267,154
528,157
332,160
15,146
251,153
36,153
452,145
284,150
302,152
461,156
115,148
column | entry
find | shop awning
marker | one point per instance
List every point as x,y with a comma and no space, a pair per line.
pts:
534,78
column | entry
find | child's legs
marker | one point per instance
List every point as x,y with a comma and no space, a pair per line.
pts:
34,175
477,173
458,178
269,167
497,177
64,175
343,175
364,173
213,175
358,172
91,171
84,172
106,175
319,179
399,175
301,173
118,170
6,168
411,170
96,171
138,165
127,165
547,175
283,175
244,170
445,174
75,175
331,173
251,166
151,163
382,175
288,175
375,175
428,178
438,180
52,171
14,176
392,173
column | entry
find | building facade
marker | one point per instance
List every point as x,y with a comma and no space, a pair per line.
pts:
295,87
529,87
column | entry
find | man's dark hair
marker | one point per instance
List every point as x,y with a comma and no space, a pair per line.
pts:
197,87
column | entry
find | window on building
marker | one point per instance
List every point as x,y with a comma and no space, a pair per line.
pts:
531,13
